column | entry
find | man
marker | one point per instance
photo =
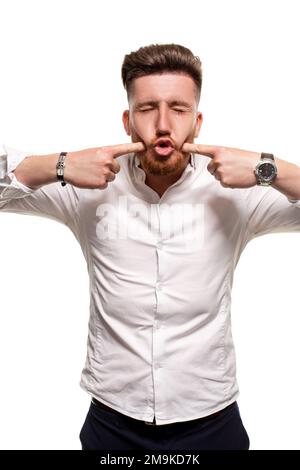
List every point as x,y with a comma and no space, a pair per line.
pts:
162,222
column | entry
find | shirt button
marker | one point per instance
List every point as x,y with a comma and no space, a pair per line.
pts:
158,286
159,245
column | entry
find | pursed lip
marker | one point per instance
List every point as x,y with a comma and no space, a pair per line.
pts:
166,142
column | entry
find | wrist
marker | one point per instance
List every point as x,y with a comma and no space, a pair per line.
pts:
36,171
60,166
49,166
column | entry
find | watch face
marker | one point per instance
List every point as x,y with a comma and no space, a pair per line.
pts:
266,171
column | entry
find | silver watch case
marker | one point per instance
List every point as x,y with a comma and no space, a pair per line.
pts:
265,181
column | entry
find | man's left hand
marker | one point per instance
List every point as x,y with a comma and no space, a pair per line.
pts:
234,168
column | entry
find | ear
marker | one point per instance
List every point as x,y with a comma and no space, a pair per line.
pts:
125,119
199,121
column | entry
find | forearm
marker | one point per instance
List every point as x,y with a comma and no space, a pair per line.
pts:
37,171
287,180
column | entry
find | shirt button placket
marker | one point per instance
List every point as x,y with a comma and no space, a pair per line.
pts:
157,338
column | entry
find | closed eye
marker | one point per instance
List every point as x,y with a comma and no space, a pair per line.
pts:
175,109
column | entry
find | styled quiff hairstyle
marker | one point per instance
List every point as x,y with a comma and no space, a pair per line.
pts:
160,58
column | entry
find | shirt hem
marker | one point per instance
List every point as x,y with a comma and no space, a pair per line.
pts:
159,421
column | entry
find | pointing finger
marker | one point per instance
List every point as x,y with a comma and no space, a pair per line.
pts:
207,150
123,149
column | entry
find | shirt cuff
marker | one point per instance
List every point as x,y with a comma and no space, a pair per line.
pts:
14,157
12,187
296,202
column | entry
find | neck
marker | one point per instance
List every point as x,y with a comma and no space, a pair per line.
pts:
161,183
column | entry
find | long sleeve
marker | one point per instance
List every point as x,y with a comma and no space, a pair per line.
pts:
271,211
52,201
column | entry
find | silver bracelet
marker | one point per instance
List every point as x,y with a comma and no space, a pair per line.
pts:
60,168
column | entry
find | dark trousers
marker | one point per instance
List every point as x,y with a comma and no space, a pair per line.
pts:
110,430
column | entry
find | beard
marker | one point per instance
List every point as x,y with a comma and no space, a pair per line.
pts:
160,165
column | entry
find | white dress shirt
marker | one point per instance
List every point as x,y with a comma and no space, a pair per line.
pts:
161,272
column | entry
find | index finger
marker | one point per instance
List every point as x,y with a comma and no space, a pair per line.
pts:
207,150
123,149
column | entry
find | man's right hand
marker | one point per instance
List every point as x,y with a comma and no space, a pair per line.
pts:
94,168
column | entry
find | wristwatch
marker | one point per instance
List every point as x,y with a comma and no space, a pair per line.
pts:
266,169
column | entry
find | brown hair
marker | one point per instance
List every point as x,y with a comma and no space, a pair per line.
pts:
160,58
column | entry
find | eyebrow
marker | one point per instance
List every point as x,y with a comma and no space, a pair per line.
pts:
171,103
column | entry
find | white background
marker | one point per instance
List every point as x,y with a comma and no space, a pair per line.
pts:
61,90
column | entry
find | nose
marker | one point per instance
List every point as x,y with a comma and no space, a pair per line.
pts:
163,124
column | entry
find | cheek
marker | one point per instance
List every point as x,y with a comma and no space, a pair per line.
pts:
185,131
188,131
142,128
